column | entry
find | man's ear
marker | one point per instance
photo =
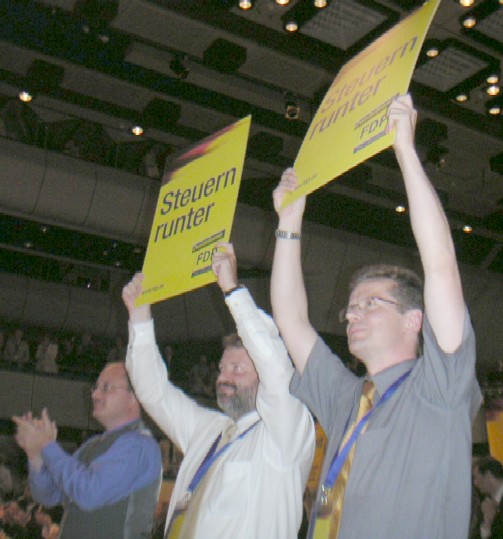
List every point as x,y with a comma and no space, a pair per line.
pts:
414,320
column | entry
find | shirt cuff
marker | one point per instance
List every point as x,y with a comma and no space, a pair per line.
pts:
141,332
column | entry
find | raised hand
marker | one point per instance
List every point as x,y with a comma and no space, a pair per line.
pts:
33,434
130,293
224,266
288,183
402,117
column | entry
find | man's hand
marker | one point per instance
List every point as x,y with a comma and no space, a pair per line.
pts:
130,293
489,508
34,434
224,266
295,210
402,117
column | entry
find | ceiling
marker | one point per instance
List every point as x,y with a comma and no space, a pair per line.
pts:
185,68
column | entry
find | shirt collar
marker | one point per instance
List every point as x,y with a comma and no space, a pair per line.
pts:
385,378
247,420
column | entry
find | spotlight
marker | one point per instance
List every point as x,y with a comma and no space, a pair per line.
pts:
493,90
245,5
282,2
320,4
25,96
292,110
494,106
469,21
432,48
466,3
493,78
137,130
179,69
291,26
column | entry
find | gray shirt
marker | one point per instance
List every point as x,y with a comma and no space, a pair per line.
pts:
411,473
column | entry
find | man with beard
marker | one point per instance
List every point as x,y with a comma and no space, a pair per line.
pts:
244,470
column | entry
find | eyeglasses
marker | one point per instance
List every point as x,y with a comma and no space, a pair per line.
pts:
363,307
107,387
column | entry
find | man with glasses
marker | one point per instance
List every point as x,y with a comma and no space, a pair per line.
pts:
109,487
244,468
399,451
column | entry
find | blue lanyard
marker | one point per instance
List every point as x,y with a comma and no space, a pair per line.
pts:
340,456
211,457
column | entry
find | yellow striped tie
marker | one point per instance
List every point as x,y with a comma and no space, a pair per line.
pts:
365,405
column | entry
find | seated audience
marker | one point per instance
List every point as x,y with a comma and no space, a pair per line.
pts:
46,355
17,349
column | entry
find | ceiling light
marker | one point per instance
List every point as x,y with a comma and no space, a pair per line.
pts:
282,2
494,78
467,3
320,3
462,97
469,21
137,130
432,48
25,96
467,229
494,109
245,4
400,209
493,90
493,106
291,26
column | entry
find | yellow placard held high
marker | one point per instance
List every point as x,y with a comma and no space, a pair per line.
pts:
349,126
194,211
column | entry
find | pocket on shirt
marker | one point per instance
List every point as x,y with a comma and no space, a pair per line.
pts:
232,489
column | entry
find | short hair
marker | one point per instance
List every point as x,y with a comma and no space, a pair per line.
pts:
130,387
233,340
407,288
491,465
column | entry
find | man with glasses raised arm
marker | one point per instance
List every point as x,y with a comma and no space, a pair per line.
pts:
244,468
399,452
109,487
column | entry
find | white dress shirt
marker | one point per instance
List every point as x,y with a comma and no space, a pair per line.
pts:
257,485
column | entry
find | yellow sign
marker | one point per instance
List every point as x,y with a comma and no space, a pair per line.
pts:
349,126
194,211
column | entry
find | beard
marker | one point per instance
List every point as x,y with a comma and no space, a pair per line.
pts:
238,403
